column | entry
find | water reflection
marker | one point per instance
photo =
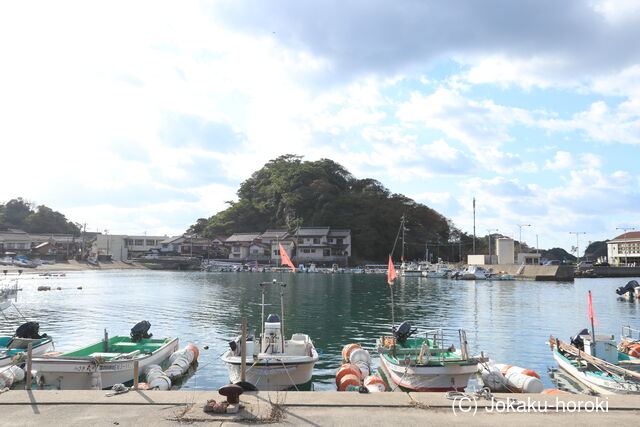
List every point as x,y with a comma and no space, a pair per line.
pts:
510,321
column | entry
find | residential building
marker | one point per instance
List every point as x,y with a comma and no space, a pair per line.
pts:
624,250
246,247
15,241
309,245
318,245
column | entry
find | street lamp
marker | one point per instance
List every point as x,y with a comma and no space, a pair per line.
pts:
625,229
489,230
577,233
520,241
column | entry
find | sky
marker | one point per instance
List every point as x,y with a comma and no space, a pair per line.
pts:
141,117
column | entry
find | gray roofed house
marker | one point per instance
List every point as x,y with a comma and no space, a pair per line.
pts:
243,237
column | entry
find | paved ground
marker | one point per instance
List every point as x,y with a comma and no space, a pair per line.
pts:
157,408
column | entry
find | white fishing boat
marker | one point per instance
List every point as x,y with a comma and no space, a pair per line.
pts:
438,271
434,360
597,365
13,349
411,269
631,290
273,363
474,272
101,365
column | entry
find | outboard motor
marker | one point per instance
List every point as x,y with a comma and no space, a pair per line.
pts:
29,330
403,332
271,341
577,342
629,287
140,331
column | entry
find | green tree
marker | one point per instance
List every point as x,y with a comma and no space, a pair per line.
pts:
15,213
46,220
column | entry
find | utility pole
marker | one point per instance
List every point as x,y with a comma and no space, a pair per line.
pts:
577,233
625,229
474,225
520,241
489,230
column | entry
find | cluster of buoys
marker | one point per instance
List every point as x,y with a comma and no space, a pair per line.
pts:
630,348
500,377
355,371
11,375
181,360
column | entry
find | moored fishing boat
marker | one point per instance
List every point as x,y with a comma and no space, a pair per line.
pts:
13,349
433,360
105,363
602,374
273,362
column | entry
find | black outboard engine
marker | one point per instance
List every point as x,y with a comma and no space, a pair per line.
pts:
577,342
629,287
29,330
140,331
403,332
273,318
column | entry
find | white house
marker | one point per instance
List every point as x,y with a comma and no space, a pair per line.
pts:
624,249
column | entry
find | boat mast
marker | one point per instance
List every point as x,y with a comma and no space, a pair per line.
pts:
282,285
402,225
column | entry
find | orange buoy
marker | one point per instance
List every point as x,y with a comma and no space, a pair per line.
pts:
634,350
348,369
553,391
388,341
511,368
144,386
346,351
349,380
374,383
52,354
505,368
530,373
195,350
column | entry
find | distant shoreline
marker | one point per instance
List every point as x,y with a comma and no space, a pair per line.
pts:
72,266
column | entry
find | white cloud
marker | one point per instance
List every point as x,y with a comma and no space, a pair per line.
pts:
566,160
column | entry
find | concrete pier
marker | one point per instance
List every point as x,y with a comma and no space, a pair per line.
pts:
153,408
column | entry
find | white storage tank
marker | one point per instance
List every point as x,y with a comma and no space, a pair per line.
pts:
505,250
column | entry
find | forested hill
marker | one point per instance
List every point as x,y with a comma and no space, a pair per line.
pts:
20,214
289,192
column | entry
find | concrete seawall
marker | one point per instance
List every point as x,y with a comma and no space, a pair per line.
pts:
537,272
159,408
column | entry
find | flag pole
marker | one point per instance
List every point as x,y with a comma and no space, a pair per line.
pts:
593,330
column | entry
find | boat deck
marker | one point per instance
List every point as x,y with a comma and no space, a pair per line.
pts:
118,347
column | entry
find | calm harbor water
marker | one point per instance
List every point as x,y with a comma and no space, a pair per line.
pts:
509,321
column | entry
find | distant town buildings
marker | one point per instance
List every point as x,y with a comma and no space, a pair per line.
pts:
624,249
47,246
308,245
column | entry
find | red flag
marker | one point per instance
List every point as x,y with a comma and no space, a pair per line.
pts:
592,316
284,258
391,272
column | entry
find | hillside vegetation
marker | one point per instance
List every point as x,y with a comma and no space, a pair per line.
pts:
288,192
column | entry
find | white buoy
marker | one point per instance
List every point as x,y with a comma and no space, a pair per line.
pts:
360,355
11,375
180,360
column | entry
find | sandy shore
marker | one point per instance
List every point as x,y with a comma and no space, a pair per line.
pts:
72,266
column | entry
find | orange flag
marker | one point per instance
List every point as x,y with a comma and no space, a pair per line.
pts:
592,316
284,258
391,272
